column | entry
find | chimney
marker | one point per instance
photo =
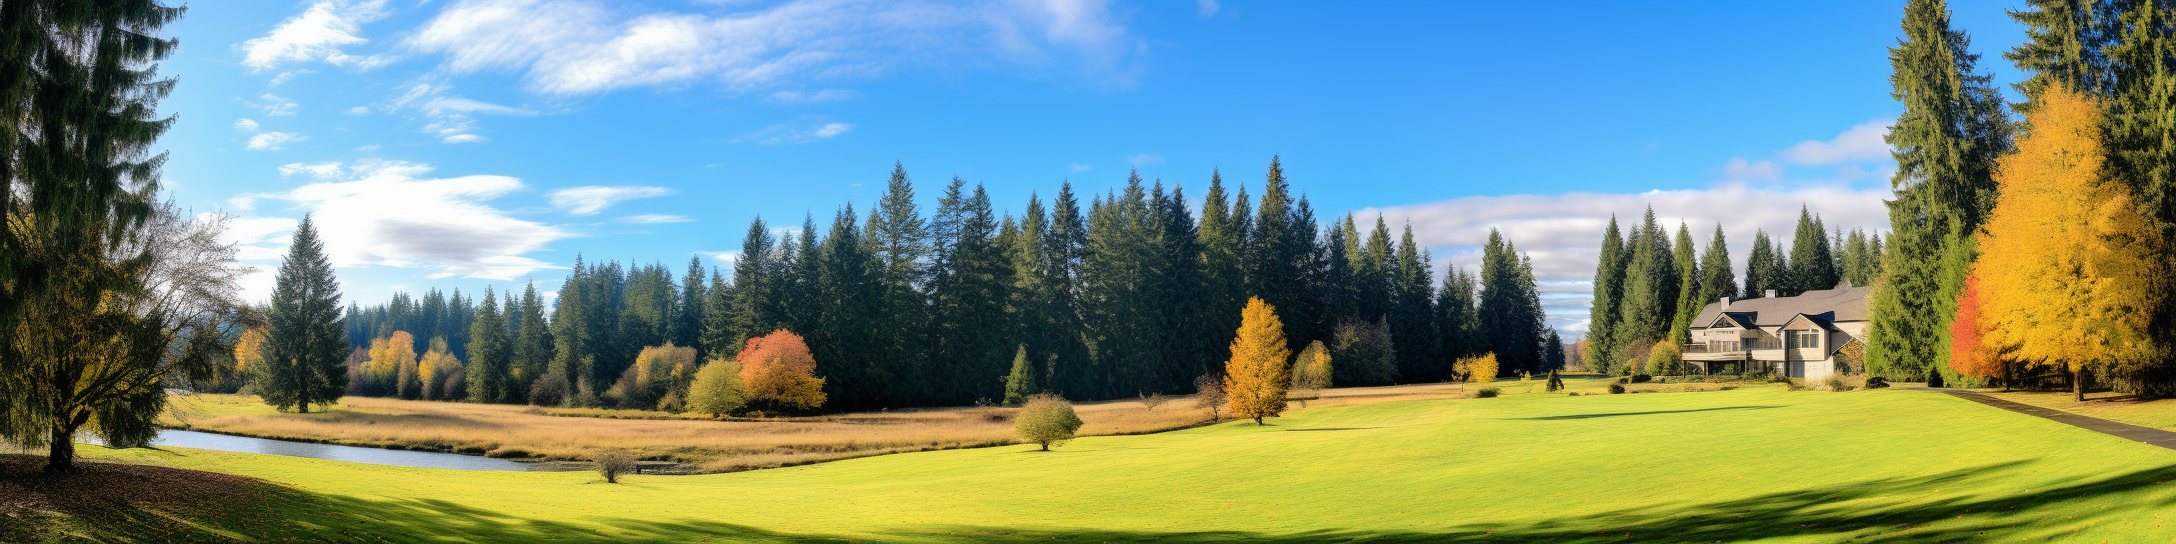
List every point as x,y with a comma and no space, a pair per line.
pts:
1726,303
1771,293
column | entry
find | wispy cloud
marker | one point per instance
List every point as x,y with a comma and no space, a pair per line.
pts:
273,141
1143,159
273,105
315,35
446,115
1862,143
652,218
381,213
798,97
1078,168
799,133
589,200
245,125
573,47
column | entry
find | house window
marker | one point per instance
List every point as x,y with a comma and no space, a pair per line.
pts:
1805,339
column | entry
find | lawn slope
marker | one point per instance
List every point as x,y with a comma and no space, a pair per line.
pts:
1749,464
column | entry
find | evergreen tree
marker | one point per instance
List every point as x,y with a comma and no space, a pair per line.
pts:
756,308
1608,294
1412,320
967,297
1650,292
2063,43
488,353
1812,267
1945,143
1372,271
1690,291
687,325
1223,281
305,346
1717,280
845,285
1761,273
1510,311
532,346
902,244
1274,261
1067,365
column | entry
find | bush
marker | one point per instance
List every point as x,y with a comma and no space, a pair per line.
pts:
1047,420
780,374
1209,395
613,463
1934,378
1556,383
1876,382
1480,369
1835,382
550,390
1642,378
1487,393
1616,389
717,389
1665,358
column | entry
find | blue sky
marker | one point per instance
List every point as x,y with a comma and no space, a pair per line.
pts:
487,142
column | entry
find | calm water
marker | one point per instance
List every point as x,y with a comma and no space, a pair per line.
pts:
375,456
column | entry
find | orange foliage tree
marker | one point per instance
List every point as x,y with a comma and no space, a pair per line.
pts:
1969,353
779,373
387,357
2070,271
1256,375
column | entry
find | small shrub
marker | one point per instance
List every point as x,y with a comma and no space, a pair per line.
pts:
1835,382
1934,378
1642,378
1209,395
613,463
1486,393
1616,389
1556,383
1572,394
550,390
1876,382
1152,400
1793,384
1046,420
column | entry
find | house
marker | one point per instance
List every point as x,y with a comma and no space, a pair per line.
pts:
1792,336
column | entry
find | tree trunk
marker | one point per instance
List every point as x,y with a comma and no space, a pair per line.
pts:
1046,446
61,452
302,408
1258,420
2077,384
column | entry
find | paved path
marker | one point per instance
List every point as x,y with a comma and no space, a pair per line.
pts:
2126,431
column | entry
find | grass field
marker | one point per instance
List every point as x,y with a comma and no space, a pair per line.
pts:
708,445
1747,464
2159,414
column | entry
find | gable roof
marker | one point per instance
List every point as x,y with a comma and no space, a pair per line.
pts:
1843,304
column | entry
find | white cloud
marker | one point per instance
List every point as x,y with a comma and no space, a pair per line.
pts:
284,76
1563,233
358,111
798,97
1741,170
1859,144
723,257
448,116
273,105
245,125
574,47
379,213
589,200
1078,168
796,133
1208,7
649,218
322,170
315,35
1142,159
273,141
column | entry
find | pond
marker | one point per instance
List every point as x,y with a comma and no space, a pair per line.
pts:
352,454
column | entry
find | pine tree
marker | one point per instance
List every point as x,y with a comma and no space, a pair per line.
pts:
1457,318
1020,382
488,353
902,247
1945,143
1650,292
756,292
1690,291
687,325
1608,294
1412,320
967,296
1273,260
307,349
1761,274
1510,311
1718,281
1812,268
532,346
842,289
1223,281
2063,44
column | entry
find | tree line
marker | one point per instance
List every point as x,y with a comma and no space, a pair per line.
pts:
1132,293
1649,286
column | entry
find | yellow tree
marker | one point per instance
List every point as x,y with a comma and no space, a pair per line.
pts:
249,352
387,357
2069,268
1255,377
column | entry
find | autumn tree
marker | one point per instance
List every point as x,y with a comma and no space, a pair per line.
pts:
780,374
1969,353
1209,395
1477,369
2070,270
388,356
717,389
1256,375
1310,373
1046,420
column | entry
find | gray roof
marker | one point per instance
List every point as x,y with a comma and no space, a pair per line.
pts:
1842,304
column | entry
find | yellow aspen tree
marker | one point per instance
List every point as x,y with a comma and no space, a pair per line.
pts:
249,352
2069,268
1256,375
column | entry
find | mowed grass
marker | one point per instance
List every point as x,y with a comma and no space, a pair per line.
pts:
710,445
1759,464
2157,413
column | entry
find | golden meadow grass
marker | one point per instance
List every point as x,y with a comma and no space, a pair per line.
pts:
711,445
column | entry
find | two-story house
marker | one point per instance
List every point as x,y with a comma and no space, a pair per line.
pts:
1792,336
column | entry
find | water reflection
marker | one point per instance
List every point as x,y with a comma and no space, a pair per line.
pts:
375,456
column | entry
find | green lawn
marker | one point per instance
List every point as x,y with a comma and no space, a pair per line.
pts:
1749,464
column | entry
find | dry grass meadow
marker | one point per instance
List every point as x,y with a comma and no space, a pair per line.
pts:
704,444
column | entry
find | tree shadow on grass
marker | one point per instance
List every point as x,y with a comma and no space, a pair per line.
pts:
1616,414
1870,510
